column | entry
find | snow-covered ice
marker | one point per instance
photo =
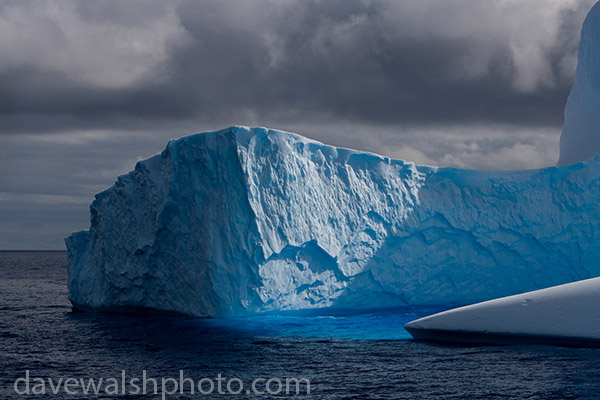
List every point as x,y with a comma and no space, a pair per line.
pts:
565,314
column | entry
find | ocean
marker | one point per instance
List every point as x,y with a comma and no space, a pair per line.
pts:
46,346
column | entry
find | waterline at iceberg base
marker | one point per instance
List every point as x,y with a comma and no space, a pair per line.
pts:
247,220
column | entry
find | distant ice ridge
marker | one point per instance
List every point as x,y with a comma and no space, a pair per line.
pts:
580,138
248,220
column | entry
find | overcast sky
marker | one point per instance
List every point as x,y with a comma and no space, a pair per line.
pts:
89,87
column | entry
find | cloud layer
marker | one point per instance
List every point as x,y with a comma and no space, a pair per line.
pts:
71,64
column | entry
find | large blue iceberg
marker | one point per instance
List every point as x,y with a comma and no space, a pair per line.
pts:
248,220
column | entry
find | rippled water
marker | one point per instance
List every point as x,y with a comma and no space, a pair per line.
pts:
360,356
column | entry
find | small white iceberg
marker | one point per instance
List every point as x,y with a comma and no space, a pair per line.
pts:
563,315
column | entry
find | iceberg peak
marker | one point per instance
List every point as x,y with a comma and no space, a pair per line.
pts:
580,137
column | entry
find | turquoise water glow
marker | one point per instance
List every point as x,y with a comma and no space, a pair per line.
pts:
368,325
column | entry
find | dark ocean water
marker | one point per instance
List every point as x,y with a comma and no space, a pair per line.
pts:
357,356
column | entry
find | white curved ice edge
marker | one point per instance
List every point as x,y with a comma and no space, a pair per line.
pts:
566,314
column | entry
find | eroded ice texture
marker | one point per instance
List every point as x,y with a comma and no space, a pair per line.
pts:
248,220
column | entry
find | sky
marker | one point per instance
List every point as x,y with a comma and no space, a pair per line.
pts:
89,88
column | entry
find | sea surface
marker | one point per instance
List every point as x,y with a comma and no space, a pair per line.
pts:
365,355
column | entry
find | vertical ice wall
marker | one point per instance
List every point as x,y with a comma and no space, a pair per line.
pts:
580,138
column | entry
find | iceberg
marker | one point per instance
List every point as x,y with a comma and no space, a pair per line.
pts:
247,220
564,315
580,137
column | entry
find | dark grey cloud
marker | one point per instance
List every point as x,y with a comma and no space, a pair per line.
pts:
364,61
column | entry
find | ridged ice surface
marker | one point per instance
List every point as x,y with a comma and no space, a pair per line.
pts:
249,220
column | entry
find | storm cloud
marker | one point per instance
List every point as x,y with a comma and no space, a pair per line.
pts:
112,64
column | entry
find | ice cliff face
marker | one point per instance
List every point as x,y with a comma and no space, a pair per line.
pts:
580,138
249,220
